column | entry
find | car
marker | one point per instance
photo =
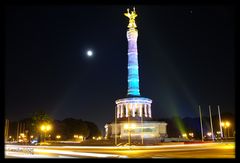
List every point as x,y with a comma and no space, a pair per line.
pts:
34,141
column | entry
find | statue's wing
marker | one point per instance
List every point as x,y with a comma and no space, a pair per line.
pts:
127,15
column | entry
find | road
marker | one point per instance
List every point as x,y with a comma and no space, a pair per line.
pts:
201,150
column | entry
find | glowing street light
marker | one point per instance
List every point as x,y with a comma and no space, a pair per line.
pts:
80,137
45,128
209,134
184,135
48,127
226,125
191,134
129,127
75,136
58,136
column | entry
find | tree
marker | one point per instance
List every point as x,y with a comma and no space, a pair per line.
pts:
74,127
93,129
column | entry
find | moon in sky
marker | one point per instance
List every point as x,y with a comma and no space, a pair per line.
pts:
89,53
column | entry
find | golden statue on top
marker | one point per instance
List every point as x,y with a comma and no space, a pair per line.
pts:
131,17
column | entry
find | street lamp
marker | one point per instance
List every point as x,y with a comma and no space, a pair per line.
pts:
80,137
209,134
184,135
58,137
191,135
129,128
45,128
226,125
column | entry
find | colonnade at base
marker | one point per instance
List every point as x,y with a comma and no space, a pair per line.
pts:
134,107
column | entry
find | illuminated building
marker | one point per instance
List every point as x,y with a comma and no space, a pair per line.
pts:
134,110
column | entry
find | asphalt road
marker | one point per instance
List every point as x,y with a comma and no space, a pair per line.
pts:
201,150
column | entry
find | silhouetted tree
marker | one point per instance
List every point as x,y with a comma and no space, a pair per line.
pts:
71,127
93,130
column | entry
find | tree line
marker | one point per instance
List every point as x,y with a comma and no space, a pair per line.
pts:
66,128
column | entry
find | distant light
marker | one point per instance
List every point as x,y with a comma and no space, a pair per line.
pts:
184,135
209,134
89,53
75,136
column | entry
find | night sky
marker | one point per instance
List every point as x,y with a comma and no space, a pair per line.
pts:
185,54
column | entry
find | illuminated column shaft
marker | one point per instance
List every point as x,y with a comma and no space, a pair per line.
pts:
133,76
117,112
140,111
149,111
126,106
121,111
145,110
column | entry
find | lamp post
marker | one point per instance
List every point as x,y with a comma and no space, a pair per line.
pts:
45,128
226,125
115,127
201,122
129,128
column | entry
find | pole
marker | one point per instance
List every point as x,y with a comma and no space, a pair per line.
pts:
23,128
7,128
220,122
225,132
129,137
115,125
5,131
228,132
200,113
20,128
17,130
142,124
211,122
